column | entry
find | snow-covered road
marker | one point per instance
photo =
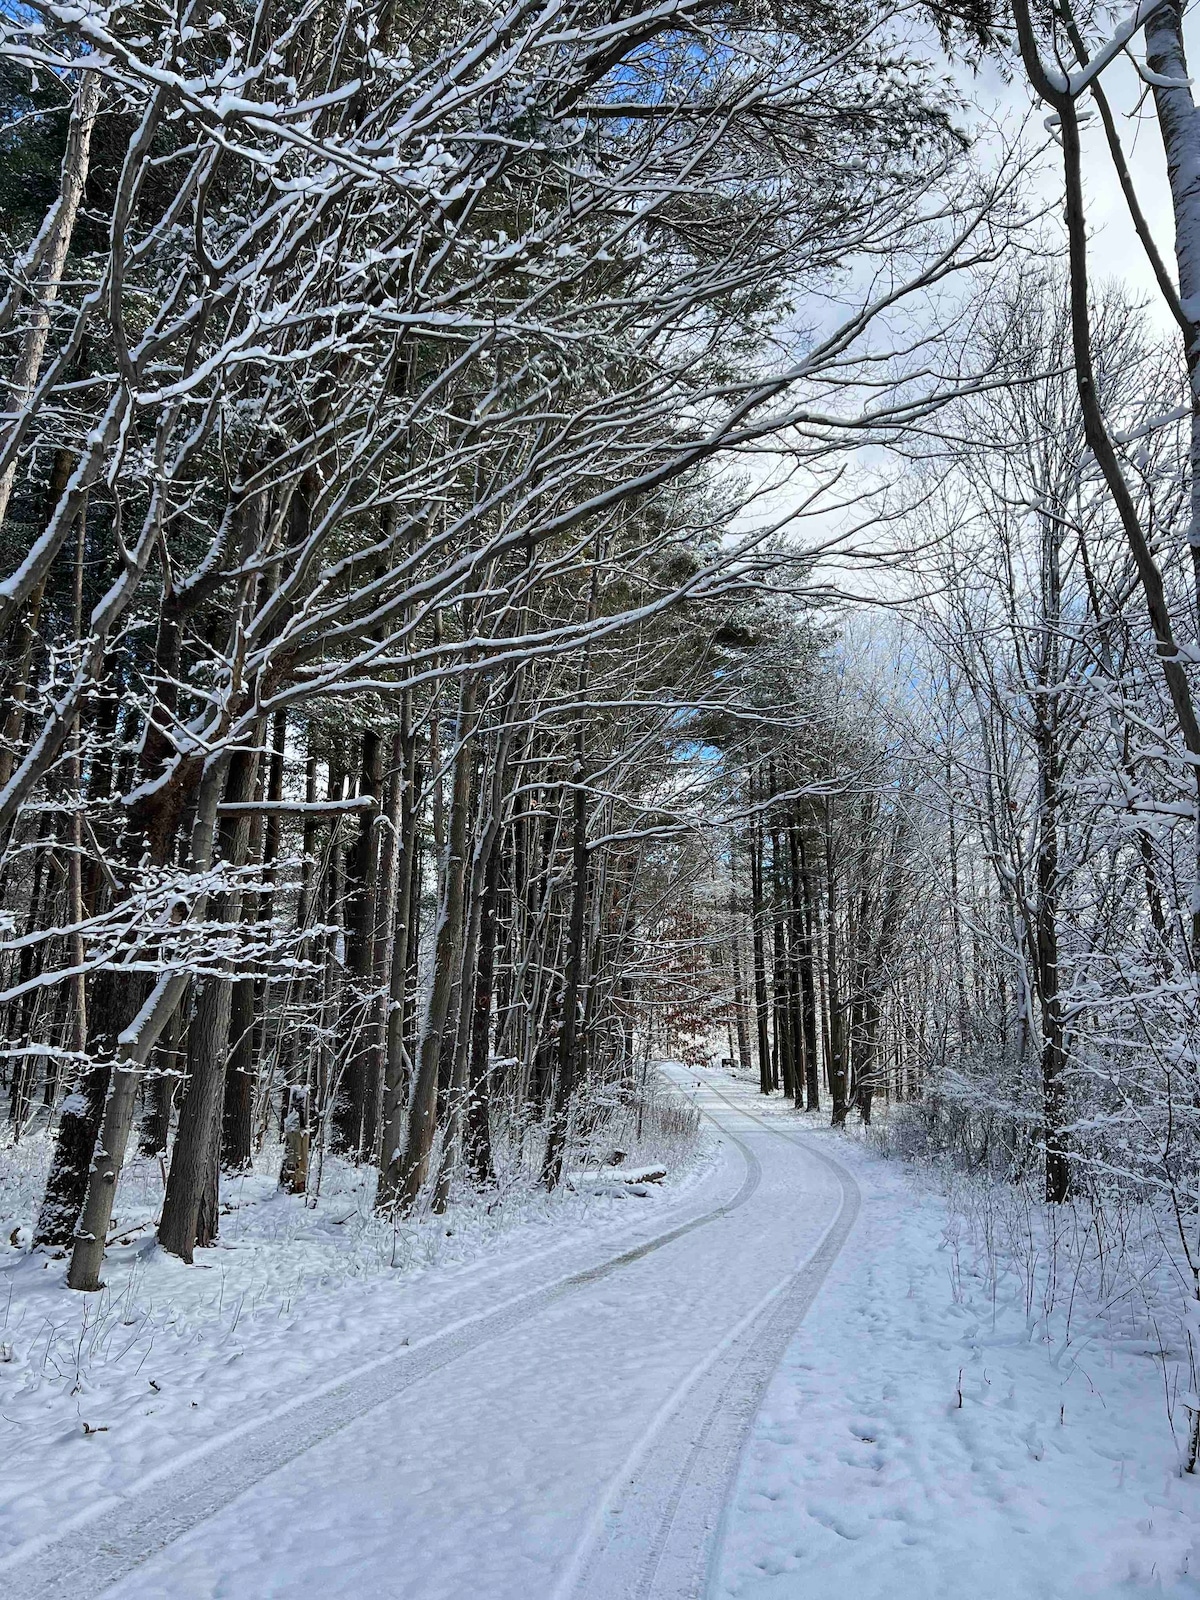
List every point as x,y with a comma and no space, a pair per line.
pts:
567,1429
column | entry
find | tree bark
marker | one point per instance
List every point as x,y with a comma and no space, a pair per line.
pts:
479,1131
758,912
564,1087
52,244
133,1051
359,1015
189,1206
739,992
193,1167
808,982
837,1049
422,1120
404,946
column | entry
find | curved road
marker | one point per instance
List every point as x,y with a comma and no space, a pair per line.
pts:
567,1438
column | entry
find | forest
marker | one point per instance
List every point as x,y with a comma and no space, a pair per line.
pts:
544,537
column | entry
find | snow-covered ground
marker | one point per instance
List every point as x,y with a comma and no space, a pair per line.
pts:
790,1371
99,1391
496,1436
932,1432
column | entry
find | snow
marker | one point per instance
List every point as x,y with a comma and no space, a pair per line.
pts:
100,1390
1101,58
924,1438
492,1415
791,1368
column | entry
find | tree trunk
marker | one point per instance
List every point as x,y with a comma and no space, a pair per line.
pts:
404,946
293,1173
160,1092
758,912
837,1048
479,1132
564,1087
782,994
422,1121
359,1014
189,1213
809,984
79,1121
134,1046
193,1167
52,245
237,1120
739,995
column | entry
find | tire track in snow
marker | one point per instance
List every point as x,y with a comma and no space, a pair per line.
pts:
114,1536
659,1530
